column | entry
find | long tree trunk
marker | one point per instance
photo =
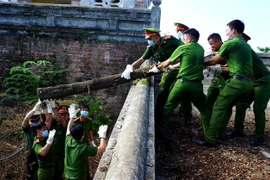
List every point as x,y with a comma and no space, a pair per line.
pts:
64,90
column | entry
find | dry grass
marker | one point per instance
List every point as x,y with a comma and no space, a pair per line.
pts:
12,139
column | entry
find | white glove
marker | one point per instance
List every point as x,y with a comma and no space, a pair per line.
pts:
171,67
51,137
93,143
102,131
126,73
73,111
50,105
154,70
37,106
217,68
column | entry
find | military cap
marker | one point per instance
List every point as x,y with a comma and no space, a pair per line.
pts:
181,27
36,115
246,37
150,32
63,108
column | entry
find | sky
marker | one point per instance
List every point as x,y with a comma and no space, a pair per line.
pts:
209,16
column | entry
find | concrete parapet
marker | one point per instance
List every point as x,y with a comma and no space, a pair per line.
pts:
130,152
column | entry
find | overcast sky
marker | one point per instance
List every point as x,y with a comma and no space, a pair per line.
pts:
209,16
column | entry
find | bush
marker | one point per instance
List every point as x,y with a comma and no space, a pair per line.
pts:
23,81
96,111
264,50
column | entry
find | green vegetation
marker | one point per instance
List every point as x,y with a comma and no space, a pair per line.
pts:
264,50
96,111
23,81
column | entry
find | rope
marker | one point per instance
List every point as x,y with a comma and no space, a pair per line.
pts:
5,158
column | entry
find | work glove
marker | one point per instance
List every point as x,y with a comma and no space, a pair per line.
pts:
50,104
51,137
37,106
207,72
154,69
216,68
93,143
73,111
43,107
126,73
102,131
171,67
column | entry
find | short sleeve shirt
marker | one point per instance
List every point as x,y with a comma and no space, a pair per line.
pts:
164,50
76,158
258,65
238,56
44,161
191,61
29,135
87,124
60,137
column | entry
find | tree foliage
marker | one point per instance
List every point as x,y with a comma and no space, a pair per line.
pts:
264,50
23,81
96,111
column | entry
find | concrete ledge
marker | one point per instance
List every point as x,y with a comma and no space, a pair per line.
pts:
130,152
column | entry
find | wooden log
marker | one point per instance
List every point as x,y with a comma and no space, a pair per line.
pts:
63,90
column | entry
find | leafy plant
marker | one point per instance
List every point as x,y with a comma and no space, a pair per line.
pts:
264,50
23,81
96,111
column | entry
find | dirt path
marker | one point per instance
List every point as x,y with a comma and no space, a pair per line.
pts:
232,159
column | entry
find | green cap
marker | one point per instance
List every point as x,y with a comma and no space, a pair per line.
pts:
150,32
180,27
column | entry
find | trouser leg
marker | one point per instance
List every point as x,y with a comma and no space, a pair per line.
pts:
32,165
233,92
262,94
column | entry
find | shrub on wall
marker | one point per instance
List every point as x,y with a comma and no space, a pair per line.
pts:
96,111
22,84
264,50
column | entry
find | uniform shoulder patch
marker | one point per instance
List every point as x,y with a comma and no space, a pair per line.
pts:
167,37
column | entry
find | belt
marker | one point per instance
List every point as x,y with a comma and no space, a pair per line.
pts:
258,76
239,77
182,79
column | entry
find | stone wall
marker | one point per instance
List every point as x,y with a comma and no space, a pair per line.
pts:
92,42
142,4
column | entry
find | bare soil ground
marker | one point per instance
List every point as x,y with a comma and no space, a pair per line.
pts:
233,159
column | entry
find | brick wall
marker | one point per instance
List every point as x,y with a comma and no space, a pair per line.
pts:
87,59
91,42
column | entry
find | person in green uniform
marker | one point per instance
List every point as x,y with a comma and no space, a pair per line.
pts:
185,109
259,96
221,75
86,122
44,150
239,86
28,126
76,151
189,77
159,48
59,123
